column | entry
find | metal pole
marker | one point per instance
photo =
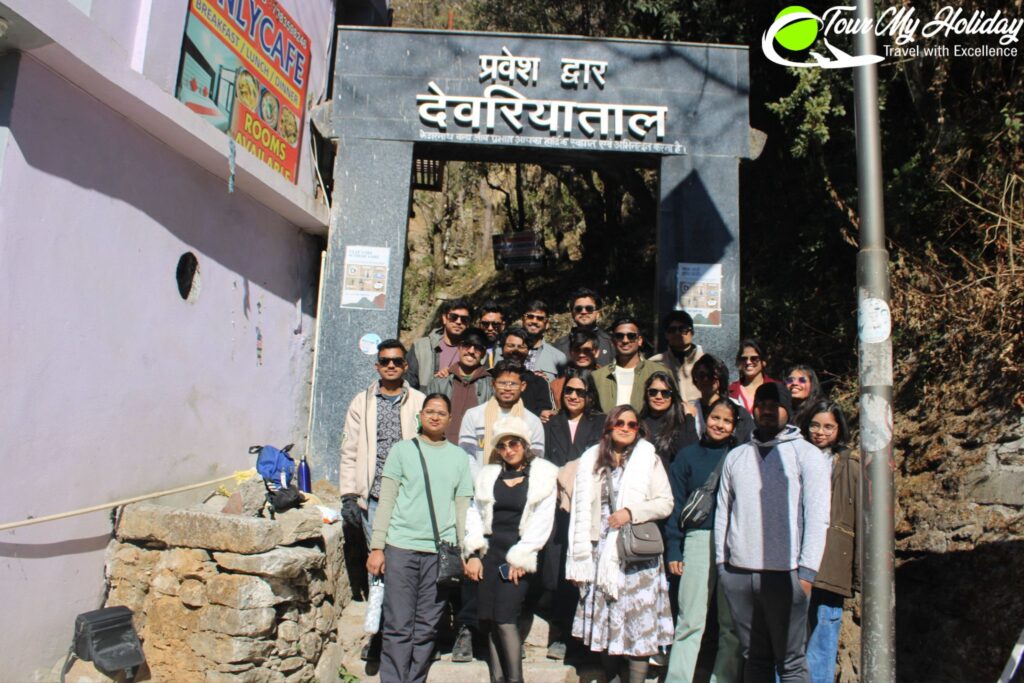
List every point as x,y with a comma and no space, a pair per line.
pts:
878,654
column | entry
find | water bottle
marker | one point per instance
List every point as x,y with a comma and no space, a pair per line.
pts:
304,476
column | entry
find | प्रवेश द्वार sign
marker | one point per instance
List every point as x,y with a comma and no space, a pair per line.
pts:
503,112
245,69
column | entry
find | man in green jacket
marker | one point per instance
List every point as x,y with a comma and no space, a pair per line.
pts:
622,381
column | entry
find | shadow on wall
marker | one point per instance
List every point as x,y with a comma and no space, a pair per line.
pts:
36,551
56,128
959,614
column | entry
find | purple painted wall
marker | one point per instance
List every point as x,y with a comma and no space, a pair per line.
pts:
113,385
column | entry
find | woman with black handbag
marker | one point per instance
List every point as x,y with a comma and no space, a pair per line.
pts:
690,548
615,550
426,488
510,521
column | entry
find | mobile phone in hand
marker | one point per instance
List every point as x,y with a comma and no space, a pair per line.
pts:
503,571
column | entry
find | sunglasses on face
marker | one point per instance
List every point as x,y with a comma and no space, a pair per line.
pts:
508,446
475,347
625,336
797,380
536,316
575,391
631,425
678,329
702,377
663,393
456,318
491,323
584,309
750,359
397,362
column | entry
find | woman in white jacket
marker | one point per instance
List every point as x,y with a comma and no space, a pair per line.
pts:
624,607
510,521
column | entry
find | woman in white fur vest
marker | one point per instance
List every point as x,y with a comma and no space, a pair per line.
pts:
510,521
624,608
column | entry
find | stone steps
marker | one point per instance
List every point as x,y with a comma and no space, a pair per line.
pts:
536,668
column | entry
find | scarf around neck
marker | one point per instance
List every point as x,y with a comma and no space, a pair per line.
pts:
492,411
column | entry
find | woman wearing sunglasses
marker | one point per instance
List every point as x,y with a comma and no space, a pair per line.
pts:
838,576
752,364
691,553
509,522
624,609
805,389
577,426
670,422
711,377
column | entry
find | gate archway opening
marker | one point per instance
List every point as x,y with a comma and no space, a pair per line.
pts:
678,109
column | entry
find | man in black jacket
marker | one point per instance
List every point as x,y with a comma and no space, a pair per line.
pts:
537,396
585,306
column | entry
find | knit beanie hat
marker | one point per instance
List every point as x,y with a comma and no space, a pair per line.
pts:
773,391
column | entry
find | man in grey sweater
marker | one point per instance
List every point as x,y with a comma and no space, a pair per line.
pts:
772,515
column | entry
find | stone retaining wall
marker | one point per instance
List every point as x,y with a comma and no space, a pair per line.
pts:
221,597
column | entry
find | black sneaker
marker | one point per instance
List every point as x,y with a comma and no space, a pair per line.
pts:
556,651
462,650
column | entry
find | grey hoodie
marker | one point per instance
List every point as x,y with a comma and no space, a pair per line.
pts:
773,511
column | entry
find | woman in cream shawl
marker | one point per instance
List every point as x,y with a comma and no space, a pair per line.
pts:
624,607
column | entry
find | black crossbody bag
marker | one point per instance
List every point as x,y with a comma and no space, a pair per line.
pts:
701,500
449,555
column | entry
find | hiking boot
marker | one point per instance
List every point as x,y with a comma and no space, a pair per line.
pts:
556,651
462,650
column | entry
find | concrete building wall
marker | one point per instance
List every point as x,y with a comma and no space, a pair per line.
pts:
113,385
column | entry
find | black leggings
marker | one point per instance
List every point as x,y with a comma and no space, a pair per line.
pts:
505,644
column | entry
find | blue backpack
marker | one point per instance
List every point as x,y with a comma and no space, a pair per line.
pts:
277,469
272,463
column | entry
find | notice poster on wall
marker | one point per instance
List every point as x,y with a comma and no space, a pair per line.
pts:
244,68
699,292
366,277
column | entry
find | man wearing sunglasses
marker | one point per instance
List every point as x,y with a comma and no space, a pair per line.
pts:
543,358
585,307
377,419
439,349
492,322
622,382
682,353
467,383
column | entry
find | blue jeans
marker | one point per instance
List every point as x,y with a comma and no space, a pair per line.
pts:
824,617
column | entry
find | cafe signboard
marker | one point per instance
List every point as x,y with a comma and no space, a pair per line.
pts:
245,69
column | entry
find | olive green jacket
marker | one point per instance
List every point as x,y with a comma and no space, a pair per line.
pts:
607,387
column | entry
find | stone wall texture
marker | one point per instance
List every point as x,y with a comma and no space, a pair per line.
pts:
229,598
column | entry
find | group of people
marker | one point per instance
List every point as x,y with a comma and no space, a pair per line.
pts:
635,502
